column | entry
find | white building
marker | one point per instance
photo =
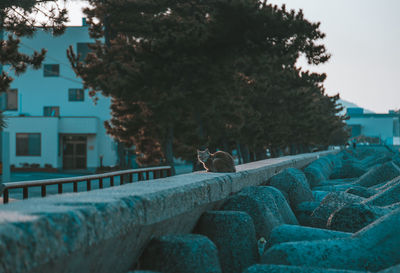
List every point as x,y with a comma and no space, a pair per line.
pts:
51,120
383,127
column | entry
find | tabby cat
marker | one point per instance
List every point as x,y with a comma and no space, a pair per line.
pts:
218,162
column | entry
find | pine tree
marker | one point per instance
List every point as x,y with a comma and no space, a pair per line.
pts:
221,74
17,19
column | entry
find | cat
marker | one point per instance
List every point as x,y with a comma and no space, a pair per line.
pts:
219,162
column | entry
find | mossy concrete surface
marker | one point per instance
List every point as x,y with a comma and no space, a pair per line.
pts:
106,230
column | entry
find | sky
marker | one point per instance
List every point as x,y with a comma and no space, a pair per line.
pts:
363,37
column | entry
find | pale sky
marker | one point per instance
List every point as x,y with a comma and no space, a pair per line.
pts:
363,37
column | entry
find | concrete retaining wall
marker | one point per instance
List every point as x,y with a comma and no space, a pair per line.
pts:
106,230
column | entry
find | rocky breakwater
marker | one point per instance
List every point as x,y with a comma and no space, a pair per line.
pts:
339,214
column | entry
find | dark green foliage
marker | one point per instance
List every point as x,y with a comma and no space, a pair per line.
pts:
219,74
17,18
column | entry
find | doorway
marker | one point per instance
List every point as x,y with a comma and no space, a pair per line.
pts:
74,152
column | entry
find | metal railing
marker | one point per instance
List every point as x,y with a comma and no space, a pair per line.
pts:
126,176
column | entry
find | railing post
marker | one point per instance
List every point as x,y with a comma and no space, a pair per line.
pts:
88,185
60,188
140,176
25,192
130,178
147,175
111,181
75,186
155,175
5,196
43,190
101,182
121,179
169,172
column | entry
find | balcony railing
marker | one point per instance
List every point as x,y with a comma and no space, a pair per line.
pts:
126,176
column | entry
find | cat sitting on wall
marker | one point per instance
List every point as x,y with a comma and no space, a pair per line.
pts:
218,162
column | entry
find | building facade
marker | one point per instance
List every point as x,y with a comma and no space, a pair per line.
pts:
51,120
384,128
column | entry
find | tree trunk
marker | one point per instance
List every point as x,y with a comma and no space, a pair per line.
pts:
225,145
260,154
200,131
239,152
168,149
121,155
245,153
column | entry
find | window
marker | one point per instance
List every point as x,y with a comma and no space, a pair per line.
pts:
9,100
83,49
51,111
51,70
75,94
28,144
12,99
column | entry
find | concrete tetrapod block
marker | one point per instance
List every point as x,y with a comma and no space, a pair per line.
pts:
341,181
387,184
387,195
272,268
373,248
396,159
143,271
353,217
329,204
293,233
361,191
331,188
234,235
319,195
314,175
373,160
180,254
303,212
392,269
349,169
378,174
324,165
293,184
266,205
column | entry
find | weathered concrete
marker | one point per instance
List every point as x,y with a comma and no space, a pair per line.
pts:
392,269
106,230
294,186
373,248
293,233
329,204
235,237
272,268
265,204
378,174
361,191
181,254
349,169
353,217
303,212
387,194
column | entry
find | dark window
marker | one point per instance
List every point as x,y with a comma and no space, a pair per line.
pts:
83,50
75,94
51,111
51,70
28,144
12,99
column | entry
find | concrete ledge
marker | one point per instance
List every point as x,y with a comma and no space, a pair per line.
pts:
106,230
